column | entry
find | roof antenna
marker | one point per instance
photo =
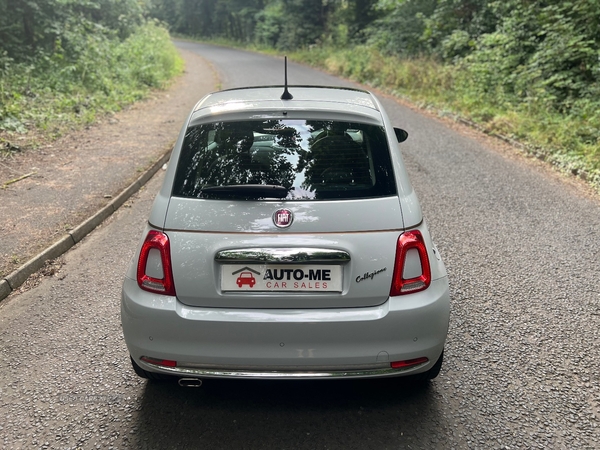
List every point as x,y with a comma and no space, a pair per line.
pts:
286,94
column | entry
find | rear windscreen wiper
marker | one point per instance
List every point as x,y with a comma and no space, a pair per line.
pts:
248,190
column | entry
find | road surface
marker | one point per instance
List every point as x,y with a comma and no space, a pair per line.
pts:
522,366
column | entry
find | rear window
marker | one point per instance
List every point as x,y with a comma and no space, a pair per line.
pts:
284,159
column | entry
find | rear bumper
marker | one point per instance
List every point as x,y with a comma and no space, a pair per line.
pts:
283,343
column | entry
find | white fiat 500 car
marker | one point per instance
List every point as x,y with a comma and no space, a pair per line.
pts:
286,243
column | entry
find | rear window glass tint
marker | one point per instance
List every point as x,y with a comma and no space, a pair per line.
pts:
312,160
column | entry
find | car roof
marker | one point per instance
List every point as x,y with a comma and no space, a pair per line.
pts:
253,102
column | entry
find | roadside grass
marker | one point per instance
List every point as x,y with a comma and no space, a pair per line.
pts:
45,97
570,140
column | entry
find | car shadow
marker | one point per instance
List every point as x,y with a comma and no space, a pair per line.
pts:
378,413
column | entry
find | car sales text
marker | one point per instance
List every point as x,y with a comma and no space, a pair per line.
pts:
298,277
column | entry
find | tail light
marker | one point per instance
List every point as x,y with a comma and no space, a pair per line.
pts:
157,276
411,269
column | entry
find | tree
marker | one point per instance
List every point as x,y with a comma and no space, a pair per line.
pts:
28,26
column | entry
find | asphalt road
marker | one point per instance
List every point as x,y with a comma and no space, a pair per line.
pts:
522,360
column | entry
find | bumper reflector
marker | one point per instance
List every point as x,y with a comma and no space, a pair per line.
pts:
159,362
409,363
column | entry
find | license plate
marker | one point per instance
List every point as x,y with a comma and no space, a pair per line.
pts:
281,277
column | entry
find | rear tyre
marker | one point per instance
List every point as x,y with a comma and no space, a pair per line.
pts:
435,370
152,376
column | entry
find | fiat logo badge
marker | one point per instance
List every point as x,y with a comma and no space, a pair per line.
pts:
282,218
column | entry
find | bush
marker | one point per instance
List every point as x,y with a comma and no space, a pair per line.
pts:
471,89
99,73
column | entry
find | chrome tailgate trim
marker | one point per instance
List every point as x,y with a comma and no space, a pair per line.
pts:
282,255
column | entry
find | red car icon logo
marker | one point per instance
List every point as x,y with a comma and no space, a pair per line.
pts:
246,278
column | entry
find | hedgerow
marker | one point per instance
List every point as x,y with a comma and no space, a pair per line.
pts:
567,139
97,74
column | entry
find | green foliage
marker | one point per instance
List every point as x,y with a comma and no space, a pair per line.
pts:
269,25
538,54
61,61
526,69
458,20
212,19
28,27
96,74
401,28
303,25
569,140
282,24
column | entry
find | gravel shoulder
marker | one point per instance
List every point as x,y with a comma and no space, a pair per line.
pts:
82,172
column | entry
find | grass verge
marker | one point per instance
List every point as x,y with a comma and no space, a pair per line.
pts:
570,141
50,94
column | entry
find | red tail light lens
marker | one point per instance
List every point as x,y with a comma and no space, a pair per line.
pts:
159,241
411,240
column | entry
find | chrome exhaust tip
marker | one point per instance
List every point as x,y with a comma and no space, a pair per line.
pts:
190,382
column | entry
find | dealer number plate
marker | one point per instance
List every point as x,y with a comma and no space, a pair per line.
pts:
281,277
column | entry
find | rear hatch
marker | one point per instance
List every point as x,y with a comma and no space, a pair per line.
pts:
283,214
